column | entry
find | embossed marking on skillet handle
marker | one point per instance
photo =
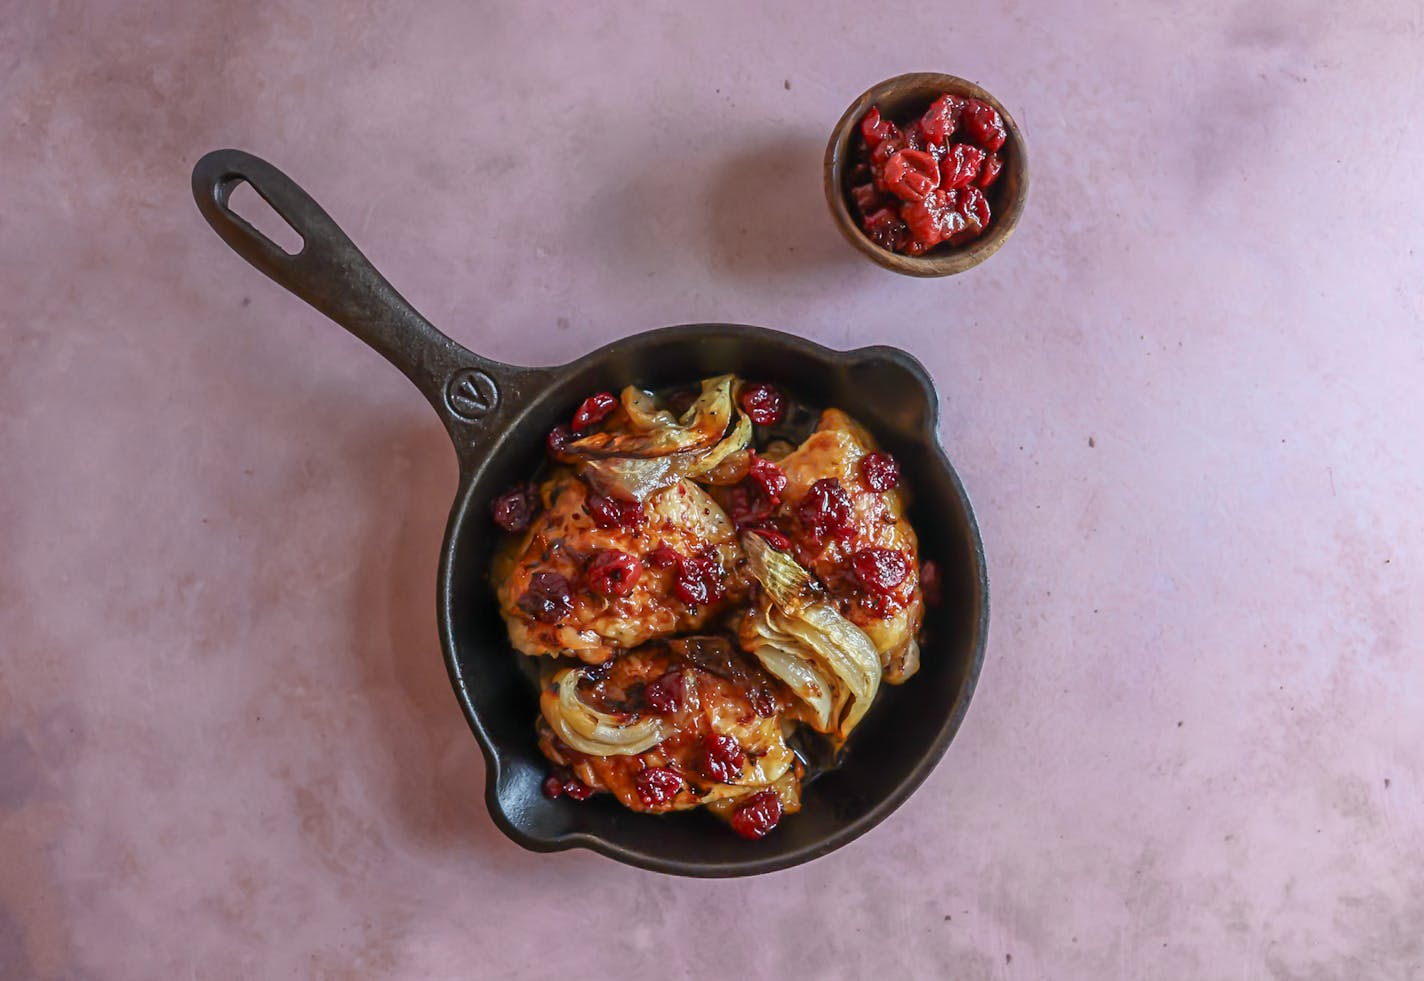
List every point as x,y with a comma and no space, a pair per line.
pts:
471,394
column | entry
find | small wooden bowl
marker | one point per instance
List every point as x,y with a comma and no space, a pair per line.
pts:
902,98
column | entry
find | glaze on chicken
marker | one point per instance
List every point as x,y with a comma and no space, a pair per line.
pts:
564,537
721,714
699,586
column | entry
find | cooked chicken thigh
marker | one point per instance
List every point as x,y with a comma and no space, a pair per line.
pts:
705,722
875,525
571,586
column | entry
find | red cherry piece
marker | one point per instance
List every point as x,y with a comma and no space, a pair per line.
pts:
880,570
934,219
886,229
722,757
753,500
578,790
974,207
613,573
983,124
882,153
662,557
879,471
594,410
549,598
699,580
758,815
664,695
959,167
775,538
915,136
553,787
745,505
875,129
769,478
514,509
910,185
558,440
657,786
931,582
825,510
614,512
880,156
867,198
941,119
990,171
910,175
763,403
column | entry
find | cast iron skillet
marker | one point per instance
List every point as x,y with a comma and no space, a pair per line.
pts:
498,415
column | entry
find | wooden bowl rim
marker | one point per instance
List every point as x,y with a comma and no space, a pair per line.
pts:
935,263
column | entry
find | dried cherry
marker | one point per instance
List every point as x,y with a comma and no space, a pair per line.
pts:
664,695
657,785
755,818
989,172
880,570
910,175
763,403
933,220
548,598
960,165
983,124
662,557
931,582
514,509
558,440
879,471
699,580
722,757
773,537
594,410
874,129
927,175
941,119
614,512
613,573
825,511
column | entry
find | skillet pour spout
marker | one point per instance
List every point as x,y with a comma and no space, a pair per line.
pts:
497,416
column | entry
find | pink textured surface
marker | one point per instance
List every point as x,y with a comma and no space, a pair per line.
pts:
1185,398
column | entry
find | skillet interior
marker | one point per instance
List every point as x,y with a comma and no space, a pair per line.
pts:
900,739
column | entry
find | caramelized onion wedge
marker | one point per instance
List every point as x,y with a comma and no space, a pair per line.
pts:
787,787
806,681
842,648
793,620
789,584
656,450
590,731
650,431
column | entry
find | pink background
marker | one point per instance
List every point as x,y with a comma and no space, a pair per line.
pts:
1187,399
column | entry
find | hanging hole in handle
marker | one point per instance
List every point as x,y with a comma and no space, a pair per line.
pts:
251,207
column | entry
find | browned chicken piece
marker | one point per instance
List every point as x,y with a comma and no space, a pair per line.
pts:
570,587
712,716
877,520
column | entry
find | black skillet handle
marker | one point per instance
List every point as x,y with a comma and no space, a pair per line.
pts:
473,395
